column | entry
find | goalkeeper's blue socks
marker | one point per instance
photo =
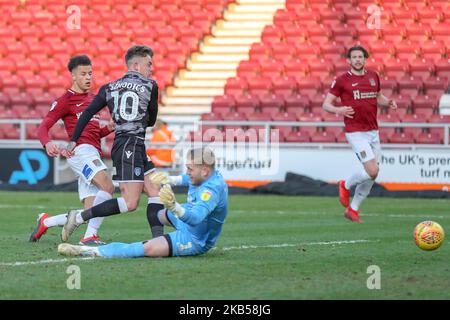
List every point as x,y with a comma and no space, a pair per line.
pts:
122,250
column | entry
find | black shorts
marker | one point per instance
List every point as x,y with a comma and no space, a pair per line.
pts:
130,161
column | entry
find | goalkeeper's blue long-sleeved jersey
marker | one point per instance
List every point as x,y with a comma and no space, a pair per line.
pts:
206,209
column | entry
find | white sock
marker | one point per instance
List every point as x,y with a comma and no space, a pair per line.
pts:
122,205
356,178
95,223
361,192
89,251
79,218
58,220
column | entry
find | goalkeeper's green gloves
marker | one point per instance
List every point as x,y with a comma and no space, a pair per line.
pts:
167,197
162,178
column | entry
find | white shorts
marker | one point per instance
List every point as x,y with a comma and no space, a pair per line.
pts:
366,145
86,163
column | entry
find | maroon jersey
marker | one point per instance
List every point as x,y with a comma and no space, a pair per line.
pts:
360,93
69,108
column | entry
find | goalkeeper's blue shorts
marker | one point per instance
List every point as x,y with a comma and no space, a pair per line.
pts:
181,242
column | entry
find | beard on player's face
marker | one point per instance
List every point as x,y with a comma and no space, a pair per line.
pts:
358,67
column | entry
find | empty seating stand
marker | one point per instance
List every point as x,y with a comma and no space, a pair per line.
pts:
301,53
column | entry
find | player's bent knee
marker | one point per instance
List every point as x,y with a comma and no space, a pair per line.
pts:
132,205
373,173
151,190
157,247
109,188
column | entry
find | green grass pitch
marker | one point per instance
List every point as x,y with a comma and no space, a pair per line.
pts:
271,247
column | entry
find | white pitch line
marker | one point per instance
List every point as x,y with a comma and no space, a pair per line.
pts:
422,216
283,245
48,261
316,213
18,206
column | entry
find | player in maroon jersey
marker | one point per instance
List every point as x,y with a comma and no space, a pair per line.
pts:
94,185
359,90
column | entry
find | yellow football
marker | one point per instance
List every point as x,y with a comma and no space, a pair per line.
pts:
429,235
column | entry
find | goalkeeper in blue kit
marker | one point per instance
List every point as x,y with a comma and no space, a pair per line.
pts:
198,222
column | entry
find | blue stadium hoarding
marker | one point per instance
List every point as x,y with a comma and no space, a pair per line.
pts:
25,166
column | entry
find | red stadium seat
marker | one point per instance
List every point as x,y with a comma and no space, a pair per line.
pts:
258,116
259,51
309,86
272,34
403,101
389,86
4,99
333,50
271,101
225,101
429,14
397,68
425,102
320,68
303,116
295,68
424,113
413,118
234,116
281,52
421,68
439,118
429,138
292,34
284,16
327,116
435,85
434,50
323,137
211,117
283,130
246,101
21,99
248,69
440,32
259,86
236,86
11,131
284,116
284,86
389,117
297,137
411,86
297,101
9,114
405,49
401,137
442,67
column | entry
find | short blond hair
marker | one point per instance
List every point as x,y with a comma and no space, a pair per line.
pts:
202,156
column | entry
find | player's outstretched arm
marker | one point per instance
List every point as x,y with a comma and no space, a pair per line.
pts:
57,111
153,106
194,215
106,130
328,105
95,106
384,101
160,178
